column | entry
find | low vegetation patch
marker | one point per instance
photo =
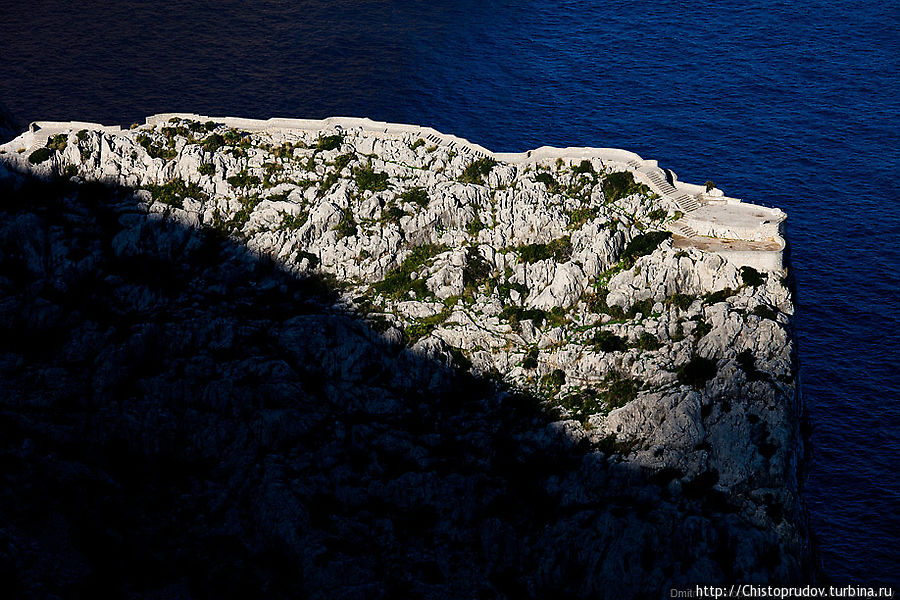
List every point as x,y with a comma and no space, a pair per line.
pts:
606,341
516,314
474,226
416,195
681,301
720,296
39,156
329,142
477,269
244,180
559,250
424,326
697,371
289,221
175,191
399,282
643,244
347,226
58,142
368,178
765,312
477,170
620,185
552,382
752,277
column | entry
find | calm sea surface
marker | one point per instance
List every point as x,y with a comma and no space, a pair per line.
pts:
792,104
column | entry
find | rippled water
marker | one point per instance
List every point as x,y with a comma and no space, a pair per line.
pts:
787,104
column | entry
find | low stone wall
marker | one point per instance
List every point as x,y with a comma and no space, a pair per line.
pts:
770,261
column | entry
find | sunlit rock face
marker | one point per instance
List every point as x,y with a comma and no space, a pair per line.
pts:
339,363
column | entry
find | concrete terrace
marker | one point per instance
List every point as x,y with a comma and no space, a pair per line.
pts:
743,233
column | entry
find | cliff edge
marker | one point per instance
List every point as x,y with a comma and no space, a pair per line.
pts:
348,359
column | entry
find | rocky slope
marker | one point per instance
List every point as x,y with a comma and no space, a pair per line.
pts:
344,365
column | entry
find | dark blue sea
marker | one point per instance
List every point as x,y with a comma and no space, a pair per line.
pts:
791,104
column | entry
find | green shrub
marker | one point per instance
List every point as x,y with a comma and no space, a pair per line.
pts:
347,225
425,326
155,150
504,289
242,216
644,307
657,215
720,296
369,179
620,390
58,142
580,216
417,144
681,301
213,142
289,221
765,312
71,171
643,244
82,135
559,250
243,180
477,268
619,185
233,137
752,277
343,160
548,180
701,329
648,342
516,314
207,169
530,361
393,214
474,226
39,156
557,317
476,171
327,183
415,195
310,257
697,371
399,282
606,341
329,142
582,403
175,191
584,167
554,381
596,303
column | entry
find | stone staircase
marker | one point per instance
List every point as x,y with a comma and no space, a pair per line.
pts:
658,184
683,230
454,146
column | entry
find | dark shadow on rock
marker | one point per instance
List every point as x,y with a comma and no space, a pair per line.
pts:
10,126
180,418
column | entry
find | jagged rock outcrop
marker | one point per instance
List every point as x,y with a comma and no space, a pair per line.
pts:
345,365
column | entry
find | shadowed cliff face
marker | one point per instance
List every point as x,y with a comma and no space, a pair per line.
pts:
9,125
181,418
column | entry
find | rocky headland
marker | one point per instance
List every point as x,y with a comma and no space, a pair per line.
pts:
348,359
